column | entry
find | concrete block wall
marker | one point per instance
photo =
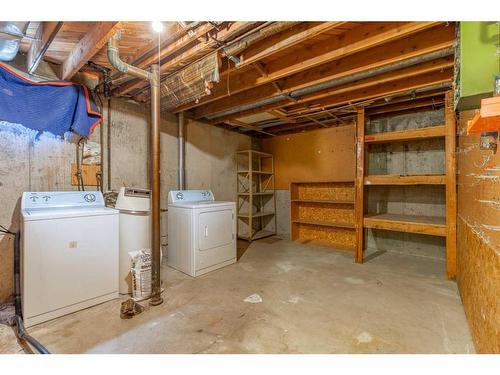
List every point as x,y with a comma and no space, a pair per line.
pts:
36,163
413,158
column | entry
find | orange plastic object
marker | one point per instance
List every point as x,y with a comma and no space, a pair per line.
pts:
488,118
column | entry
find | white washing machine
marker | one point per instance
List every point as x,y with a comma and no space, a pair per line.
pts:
201,232
69,254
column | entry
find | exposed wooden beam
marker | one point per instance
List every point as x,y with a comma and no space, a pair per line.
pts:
422,43
191,54
425,102
445,63
242,124
242,99
306,126
45,34
286,39
281,115
317,121
358,39
387,88
165,52
149,51
87,47
380,91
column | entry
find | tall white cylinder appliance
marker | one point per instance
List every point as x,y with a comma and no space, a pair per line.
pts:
135,230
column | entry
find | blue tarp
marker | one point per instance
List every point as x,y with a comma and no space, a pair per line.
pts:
53,106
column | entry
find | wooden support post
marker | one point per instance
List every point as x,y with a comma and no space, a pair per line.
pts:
360,172
451,188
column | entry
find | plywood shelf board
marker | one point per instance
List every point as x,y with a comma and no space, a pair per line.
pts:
407,135
334,237
324,223
431,225
405,180
323,201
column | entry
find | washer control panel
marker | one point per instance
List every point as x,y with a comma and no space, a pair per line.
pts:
60,199
175,196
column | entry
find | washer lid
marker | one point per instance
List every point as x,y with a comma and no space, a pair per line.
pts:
59,213
202,204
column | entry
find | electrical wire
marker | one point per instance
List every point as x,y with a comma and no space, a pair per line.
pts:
5,230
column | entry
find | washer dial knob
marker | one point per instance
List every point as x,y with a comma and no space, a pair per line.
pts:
89,198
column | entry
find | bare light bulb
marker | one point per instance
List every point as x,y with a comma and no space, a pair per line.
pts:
157,26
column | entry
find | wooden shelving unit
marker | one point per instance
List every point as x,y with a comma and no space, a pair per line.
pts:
256,200
427,225
323,213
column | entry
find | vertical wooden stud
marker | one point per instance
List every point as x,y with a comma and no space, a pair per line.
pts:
360,172
451,187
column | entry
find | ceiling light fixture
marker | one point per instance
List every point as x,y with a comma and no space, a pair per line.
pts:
157,26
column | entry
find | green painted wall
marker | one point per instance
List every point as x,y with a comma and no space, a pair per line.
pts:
479,62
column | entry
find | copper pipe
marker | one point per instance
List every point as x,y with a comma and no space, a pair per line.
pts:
153,78
155,186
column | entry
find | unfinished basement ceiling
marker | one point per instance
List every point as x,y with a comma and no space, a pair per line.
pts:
274,77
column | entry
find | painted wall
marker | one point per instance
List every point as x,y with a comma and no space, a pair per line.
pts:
478,230
479,62
319,155
28,163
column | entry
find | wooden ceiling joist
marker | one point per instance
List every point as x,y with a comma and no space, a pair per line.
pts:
169,50
422,43
417,103
201,49
87,47
231,102
379,91
412,48
285,39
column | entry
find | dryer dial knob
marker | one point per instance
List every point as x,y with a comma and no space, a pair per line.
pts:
89,198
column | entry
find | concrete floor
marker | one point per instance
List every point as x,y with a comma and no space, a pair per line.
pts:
314,300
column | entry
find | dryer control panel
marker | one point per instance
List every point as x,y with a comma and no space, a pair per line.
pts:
175,196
